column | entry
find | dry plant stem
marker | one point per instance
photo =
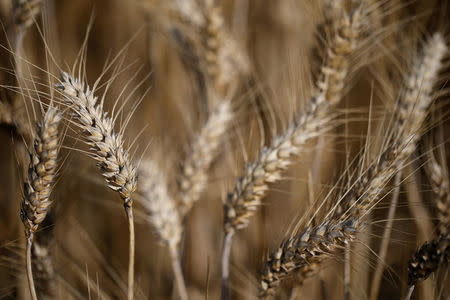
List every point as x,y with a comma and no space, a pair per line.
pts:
226,263
409,292
382,253
29,270
129,212
178,273
347,271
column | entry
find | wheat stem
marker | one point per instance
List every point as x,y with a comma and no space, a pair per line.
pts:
129,212
178,273
29,270
347,271
409,292
376,281
227,240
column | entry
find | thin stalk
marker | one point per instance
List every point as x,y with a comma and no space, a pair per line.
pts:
376,281
347,272
179,280
29,270
227,240
409,292
129,212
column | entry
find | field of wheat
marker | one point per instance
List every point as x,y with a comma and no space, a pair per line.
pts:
224,149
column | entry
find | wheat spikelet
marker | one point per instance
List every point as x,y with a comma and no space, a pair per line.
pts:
272,160
304,252
107,147
204,148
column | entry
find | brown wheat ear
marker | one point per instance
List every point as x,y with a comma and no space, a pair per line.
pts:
107,148
39,182
204,148
304,252
274,159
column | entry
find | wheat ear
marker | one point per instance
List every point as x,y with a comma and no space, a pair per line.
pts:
163,215
107,148
427,260
303,253
225,61
203,150
272,160
39,182
431,254
418,91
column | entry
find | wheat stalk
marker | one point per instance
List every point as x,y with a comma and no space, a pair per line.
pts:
39,182
304,252
44,270
107,147
272,160
162,214
418,91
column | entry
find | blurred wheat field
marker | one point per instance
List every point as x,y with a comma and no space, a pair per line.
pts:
206,149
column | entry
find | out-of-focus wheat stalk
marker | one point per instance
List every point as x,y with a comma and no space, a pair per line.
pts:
107,147
163,215
432,254
39,182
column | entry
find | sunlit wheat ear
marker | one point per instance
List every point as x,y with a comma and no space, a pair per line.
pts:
107,149
39,182
162,214
203,149
106,145
304,252
274,159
